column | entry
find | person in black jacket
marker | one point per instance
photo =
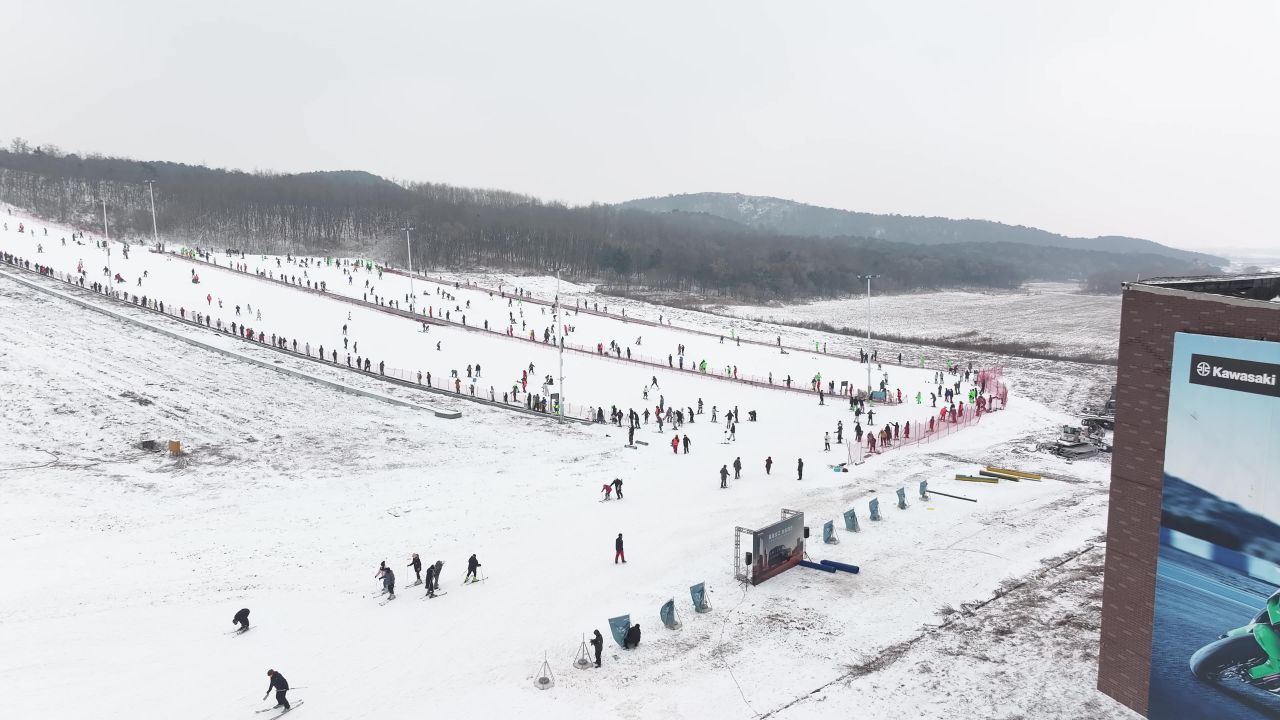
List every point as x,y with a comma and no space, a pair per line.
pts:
281,687
472,564
241,618
597,642
617,550
724,476
632,640
617,487
416,564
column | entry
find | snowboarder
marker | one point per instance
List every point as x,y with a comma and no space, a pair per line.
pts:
281,686
617,487
472,564
618,554
724,476
632,640
241,619
597,643
799,468
768,464
416,564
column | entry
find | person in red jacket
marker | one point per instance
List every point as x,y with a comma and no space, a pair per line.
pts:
675,443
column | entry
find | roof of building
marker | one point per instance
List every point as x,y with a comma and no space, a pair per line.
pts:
1264,287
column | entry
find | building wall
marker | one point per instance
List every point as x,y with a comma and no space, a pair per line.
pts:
1149,318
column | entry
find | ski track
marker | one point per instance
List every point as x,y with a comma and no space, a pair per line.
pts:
290,494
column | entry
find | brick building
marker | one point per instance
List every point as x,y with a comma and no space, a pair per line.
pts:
1241,306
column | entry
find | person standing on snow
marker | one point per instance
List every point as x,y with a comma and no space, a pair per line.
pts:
281,686
768,464
675,441
617,550
472,565
597,643
686,444
617,487
799,468
416,564
826,442
737,468
724,476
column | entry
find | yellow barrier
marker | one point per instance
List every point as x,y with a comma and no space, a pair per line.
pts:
1019,473
971,478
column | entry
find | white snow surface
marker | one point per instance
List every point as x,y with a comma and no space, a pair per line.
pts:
127,565
1051,317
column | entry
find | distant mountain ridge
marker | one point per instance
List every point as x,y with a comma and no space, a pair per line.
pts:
788,217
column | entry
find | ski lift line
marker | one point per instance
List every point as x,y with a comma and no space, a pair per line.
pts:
650,323
439,412
648,362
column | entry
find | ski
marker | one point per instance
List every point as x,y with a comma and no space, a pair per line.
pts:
384,602
429,597
282,712
414,583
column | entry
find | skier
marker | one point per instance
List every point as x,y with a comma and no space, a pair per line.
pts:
617,487
416,564
686,444
617,550
472,564
388,581
800,468
724,476
632,640
281,687
675,441
768,464
597,643
437,571
826,442
737,468
241,619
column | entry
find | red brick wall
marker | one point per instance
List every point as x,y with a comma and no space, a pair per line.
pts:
1149,318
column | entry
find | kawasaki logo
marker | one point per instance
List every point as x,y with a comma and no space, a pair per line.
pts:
1261,379
1235,374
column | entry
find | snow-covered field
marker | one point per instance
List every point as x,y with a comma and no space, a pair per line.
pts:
127,565
1051,317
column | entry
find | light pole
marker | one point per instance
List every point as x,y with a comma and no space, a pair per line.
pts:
111,281
155,234
409,250
868,278
559,330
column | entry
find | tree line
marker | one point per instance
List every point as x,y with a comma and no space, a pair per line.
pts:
352,213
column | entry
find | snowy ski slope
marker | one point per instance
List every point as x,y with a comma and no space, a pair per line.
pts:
127,566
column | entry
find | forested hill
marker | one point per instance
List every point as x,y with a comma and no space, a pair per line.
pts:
360,214
792,218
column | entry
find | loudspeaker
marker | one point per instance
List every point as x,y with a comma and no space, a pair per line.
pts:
806,532
748,561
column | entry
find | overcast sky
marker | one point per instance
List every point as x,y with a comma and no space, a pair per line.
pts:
1154,119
